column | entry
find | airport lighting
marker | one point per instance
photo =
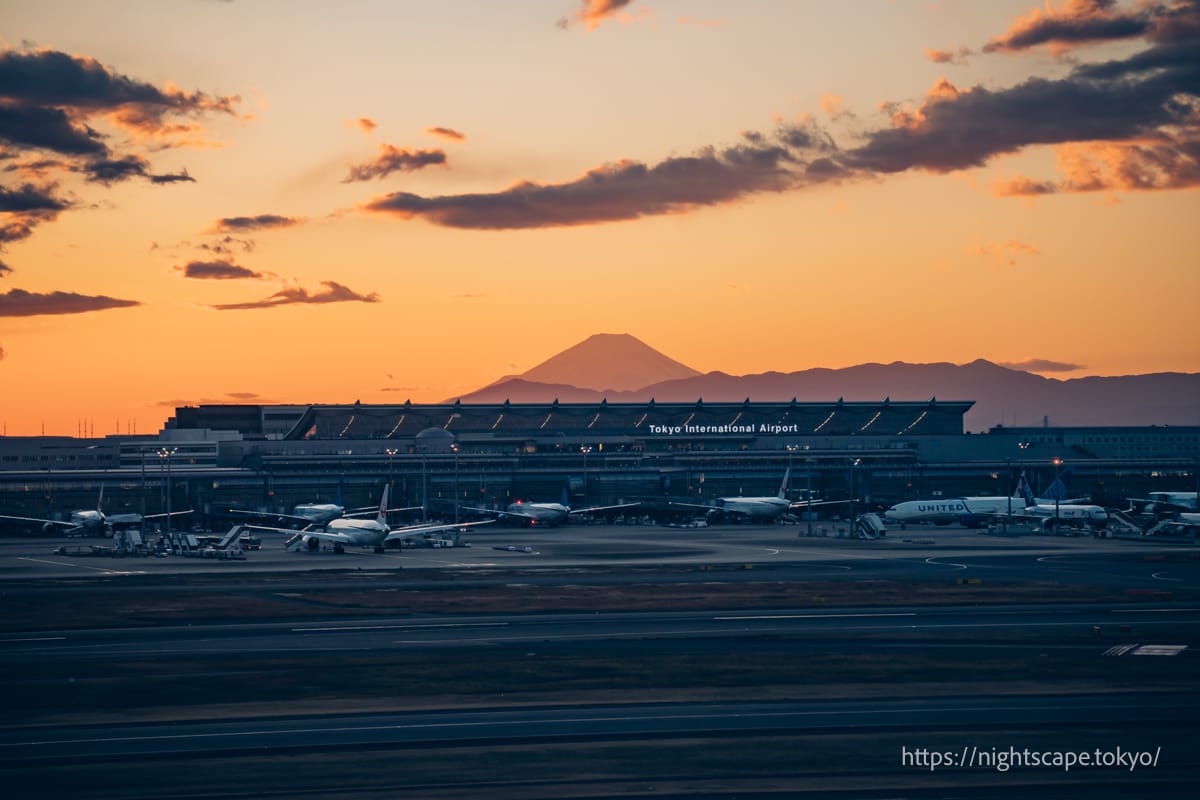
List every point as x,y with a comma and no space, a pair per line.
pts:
166,453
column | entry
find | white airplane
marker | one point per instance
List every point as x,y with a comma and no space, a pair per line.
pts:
975,512
319,514
1052,515
547,514
759,509
89,522
374,533
1167,502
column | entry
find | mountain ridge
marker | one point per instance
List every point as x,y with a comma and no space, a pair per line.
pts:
1003,396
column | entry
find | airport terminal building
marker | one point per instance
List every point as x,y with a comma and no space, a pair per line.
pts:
437,455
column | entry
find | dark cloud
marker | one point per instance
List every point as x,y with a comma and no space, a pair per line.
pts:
395,159
32,127
2,354
1117,100
258,223
1042,365
49,101
4,269
219,270
25,208
227,244
1074,23
30,199
333,293
623,191
446,133
1139,115
114,170
19,303
173,177
593,13
50,78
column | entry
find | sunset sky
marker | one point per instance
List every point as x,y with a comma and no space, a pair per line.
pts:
314,202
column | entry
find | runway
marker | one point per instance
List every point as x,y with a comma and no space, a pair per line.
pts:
497,727
1015,629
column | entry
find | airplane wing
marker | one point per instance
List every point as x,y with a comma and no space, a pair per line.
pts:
339,538
498,513
117,517
602,508
807,503
370,512
66,526
417,530
328,536
269,515
699,506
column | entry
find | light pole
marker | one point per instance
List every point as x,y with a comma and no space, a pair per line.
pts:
585,449
167,452
391,451
424,486
454,448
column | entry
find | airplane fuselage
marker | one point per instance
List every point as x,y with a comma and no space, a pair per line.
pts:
762,509
541,513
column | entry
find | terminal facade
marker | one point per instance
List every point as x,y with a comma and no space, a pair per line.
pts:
437,456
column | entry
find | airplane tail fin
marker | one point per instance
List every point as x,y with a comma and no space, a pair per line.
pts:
787,473
1024,491
383,505
564,498
100,500
1058,489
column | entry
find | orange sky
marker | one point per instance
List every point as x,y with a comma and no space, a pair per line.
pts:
302,202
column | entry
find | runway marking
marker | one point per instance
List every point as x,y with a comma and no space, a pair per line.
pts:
37,639
1158,577
1151,610
816,616
402,627
81,566
933,561
1159,650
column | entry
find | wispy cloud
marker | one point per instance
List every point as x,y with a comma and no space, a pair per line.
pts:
333,293
1003,254
395,159
594,13
257,223
446,133
959,56
1042,365
20,303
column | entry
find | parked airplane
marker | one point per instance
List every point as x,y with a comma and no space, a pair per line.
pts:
759,509
374,533
548,514
1053,515
1167,502
974,512
320,514
89,522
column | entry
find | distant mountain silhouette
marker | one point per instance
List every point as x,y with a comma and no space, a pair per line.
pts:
1002,396
607,362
